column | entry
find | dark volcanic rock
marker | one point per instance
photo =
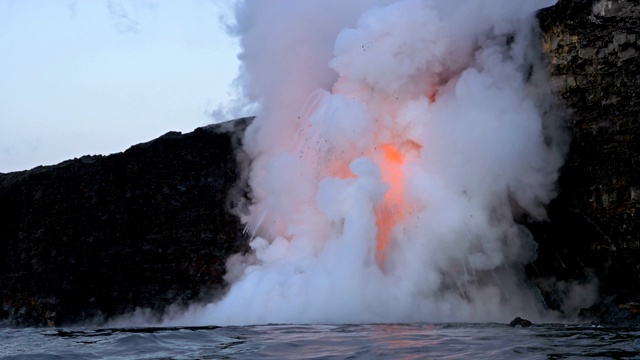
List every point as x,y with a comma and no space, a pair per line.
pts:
520,322
594,227
607,314
101,235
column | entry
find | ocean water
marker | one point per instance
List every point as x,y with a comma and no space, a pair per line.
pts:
373,341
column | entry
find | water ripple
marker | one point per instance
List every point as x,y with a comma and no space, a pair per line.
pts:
369,341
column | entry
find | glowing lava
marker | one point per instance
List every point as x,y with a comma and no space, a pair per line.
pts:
392,211
394,208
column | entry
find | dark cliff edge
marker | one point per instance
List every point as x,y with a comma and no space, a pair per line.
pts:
99,236
594,229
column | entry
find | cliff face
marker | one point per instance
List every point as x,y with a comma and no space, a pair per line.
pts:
594,48
100,236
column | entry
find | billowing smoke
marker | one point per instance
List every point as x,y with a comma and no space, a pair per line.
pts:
396,146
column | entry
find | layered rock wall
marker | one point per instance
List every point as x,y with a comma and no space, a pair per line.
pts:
594,49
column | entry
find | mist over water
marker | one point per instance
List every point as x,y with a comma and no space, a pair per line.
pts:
397,144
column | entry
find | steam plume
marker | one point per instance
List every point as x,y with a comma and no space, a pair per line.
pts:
396,144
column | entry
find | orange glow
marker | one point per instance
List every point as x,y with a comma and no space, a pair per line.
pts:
391,154
392,210
391,158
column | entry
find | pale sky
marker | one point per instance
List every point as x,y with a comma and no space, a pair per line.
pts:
90,77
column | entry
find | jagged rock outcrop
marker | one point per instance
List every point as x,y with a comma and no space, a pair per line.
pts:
594,228
102,235
520,322
610,315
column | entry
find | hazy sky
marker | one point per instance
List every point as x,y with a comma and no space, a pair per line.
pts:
97,76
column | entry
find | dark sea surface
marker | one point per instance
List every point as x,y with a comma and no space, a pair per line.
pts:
375,341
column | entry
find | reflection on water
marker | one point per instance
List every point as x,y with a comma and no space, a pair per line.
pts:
371,341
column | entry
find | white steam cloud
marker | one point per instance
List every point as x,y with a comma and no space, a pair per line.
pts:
396,145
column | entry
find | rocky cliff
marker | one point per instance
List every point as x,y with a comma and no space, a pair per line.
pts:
101,235
594,228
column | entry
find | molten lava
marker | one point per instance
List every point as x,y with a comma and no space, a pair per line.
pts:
392,210
392,154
